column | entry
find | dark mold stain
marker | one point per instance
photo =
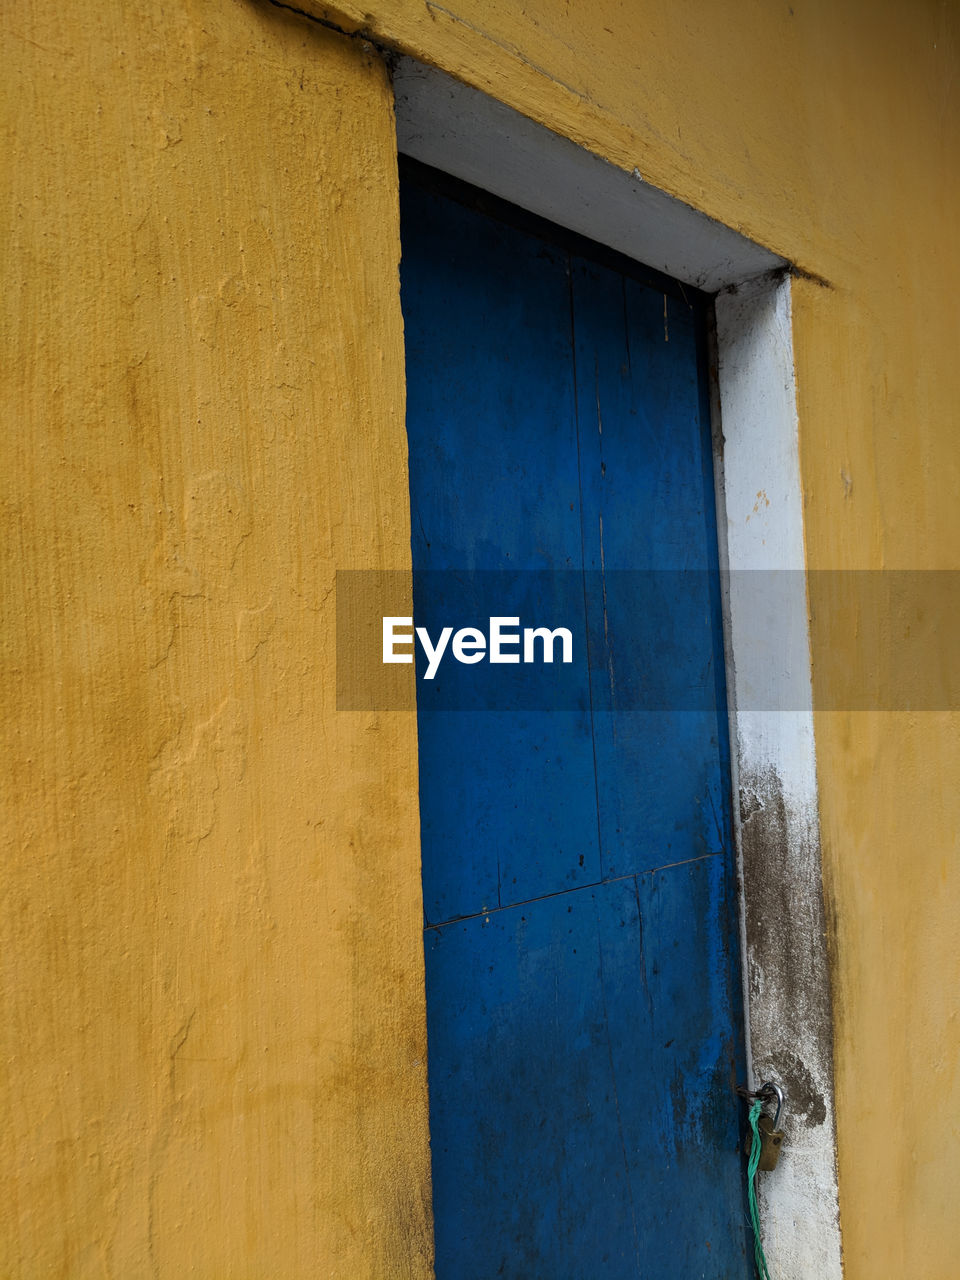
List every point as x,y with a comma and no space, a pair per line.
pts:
786,940
802,1098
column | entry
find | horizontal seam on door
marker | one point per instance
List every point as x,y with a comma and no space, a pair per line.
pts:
595,884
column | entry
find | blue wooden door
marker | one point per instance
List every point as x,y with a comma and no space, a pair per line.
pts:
584,1023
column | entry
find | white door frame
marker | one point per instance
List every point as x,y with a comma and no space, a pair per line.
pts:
462,131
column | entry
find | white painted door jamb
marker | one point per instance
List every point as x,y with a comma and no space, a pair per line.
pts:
783,929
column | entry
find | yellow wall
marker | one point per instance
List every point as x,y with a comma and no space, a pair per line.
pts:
212,1056
212,978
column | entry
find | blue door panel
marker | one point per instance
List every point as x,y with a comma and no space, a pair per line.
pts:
495,445
580,1084
538,1180
694,1178
584,1026
515,817
650,540
630,380
493,449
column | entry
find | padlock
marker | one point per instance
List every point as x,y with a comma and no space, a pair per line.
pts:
771,1138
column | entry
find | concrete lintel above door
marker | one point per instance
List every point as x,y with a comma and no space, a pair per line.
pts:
458,129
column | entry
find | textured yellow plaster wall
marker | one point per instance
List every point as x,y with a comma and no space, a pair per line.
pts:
211,1006
831,133
212,1014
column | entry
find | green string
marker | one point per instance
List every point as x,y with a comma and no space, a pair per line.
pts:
758,1254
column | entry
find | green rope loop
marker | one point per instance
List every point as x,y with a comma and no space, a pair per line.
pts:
762,1270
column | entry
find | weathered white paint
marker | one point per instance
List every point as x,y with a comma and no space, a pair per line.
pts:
465,133
786,975
462,131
